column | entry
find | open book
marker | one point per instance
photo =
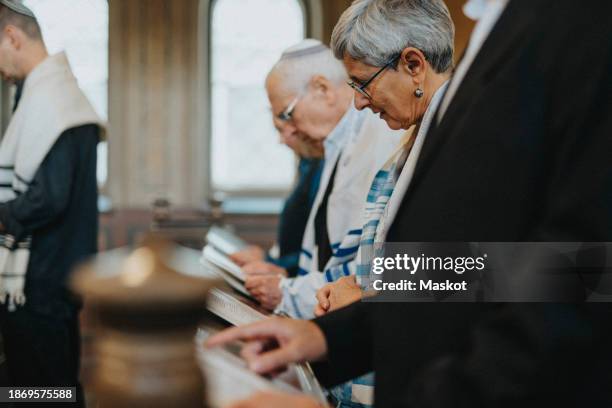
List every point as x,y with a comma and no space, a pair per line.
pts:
212,255
227,375
228,378
232,308
220,244
224,241
222,301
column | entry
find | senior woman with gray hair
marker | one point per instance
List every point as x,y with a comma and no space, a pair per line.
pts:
399,55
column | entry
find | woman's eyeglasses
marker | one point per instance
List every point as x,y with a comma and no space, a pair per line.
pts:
362,88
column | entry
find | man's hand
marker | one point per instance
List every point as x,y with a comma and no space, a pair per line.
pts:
274,343
336,295
276,400
251,253
266,289
263,268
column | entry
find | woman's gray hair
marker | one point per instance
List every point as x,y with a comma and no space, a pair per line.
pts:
374,31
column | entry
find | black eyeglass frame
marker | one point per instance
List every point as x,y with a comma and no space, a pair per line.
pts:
362,88
287,114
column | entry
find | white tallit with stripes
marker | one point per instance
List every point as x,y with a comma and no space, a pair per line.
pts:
51,103
360,144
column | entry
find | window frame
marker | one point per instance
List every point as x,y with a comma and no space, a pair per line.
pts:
206,87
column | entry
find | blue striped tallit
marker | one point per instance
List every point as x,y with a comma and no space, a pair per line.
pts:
357,245
352,255
362,146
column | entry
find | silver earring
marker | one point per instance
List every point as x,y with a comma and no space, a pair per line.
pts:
419,93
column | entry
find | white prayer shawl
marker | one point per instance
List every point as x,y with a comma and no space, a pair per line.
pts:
353,255
51,103
405,178
362,142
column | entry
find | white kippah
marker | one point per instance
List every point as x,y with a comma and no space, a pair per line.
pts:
18,7
304,47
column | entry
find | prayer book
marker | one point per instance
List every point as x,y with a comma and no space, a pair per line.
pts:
229,379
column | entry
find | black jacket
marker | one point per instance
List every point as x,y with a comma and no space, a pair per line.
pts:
294,217
523,153
60,211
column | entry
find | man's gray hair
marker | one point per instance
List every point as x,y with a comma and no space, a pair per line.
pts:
301,62
375,31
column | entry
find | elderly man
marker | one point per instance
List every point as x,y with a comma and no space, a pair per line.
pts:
509,158
309,97
48,205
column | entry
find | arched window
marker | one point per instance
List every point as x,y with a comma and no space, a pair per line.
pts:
247,38
80,28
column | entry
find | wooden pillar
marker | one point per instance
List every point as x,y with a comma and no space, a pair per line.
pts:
156,140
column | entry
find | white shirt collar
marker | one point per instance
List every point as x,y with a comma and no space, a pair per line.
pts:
475,9
341,134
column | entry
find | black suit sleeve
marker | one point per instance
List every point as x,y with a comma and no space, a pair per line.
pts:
348,333
48,193
428,330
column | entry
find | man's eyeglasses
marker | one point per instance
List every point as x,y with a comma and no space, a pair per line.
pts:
362,88
287,114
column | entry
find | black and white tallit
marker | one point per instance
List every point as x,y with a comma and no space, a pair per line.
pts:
51,103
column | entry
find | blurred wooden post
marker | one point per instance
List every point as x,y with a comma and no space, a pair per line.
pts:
144,342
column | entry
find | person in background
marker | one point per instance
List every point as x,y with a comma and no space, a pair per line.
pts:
319,105
308,94
293,218
48,206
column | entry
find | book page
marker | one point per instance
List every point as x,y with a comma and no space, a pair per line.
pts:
214,271
232,309
227,377
224,240
217,258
